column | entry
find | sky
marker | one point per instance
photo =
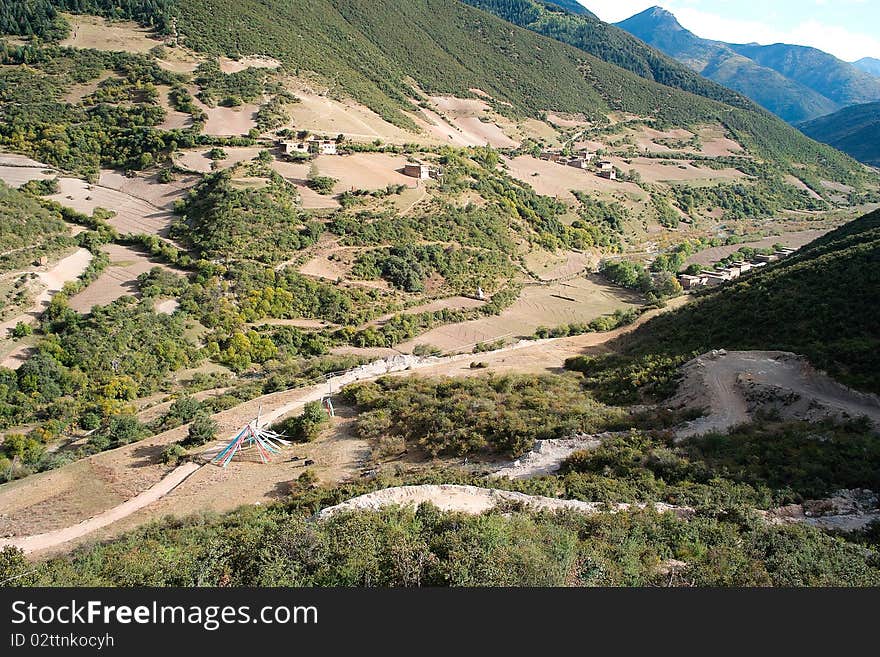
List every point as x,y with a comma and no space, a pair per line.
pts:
849,29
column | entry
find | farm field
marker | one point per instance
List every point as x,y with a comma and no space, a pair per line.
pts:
556,180
197,159
230,121
322,114
653,170
118,279
133,215
94,32
577,300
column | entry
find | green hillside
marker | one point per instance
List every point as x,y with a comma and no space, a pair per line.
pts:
374,51
572,6
609,43
854,130
822,302
840,81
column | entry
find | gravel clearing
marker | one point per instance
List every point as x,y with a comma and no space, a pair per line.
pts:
546,456
475,500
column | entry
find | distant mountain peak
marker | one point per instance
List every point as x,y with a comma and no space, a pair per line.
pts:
656,18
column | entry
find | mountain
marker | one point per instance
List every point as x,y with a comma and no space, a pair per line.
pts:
610,44
812,303
794,82
375,51
869,64
854,130
840,81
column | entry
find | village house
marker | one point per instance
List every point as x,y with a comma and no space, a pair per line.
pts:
323,147
417,170
766,258
589,156
295,148
689,282
311,147
714,279
552,156
579,163
607,170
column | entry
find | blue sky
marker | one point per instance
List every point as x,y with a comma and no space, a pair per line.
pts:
849,29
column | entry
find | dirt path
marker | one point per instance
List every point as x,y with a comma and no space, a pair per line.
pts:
67,269
48,540
135,466
547,456
475,500
732,386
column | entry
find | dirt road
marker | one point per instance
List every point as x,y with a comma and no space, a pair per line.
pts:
54,279
732,386
51,539
136,467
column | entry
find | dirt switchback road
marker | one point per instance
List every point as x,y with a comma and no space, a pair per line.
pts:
732,386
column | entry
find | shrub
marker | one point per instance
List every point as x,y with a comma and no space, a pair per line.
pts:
202,430
22,330
322,184
173,454
426,350
306,427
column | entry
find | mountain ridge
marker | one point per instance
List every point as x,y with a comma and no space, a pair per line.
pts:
869,65
855,130
797,83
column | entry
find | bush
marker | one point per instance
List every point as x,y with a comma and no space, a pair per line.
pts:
322,184
183,410
306,427
173,454
22,330
426,350
202,430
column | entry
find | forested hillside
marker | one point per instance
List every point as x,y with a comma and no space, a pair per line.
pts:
609,43
854,130
840,81
823,302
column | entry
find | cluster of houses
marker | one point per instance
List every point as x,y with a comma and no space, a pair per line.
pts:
313,146
317,146
712,277
583,159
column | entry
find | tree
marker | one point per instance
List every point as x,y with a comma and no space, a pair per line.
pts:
15,570
184,409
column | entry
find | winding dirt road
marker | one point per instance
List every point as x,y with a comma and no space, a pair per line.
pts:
731,386
194,486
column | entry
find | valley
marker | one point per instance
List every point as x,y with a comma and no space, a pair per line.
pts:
452,286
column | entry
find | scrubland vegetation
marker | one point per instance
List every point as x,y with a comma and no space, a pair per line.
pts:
475,415
724,542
